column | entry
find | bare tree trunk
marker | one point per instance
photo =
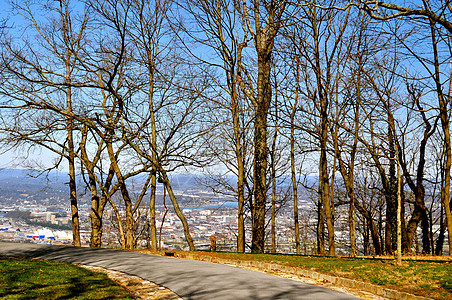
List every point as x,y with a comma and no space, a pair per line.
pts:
320,230
126,198
177,209
365,238
273,222
399,213
240,209
67,35
445,195
324,186
352,196
273,176
71,161
163,218
349,185
372,227
292,161
260,162
152,221
122,235
96,219
351,226
148,19
240,168
152,224
264,32
294,188
440,240
445,124
97,203
218,25
391,207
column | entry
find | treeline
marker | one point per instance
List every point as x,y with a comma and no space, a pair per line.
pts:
356,94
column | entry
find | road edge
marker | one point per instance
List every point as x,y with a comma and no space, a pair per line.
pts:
334,280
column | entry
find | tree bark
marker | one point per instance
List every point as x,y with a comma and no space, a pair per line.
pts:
152,221
399,214
71,162
240,165
391,202
294,188
152,218
129,237
260,174
320,228
177,209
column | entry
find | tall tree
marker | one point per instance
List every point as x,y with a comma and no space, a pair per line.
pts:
148,30
218,23
262,21
323,31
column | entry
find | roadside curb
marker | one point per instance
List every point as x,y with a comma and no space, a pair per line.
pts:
337,281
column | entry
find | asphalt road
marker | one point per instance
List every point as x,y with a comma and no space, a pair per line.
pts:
187,278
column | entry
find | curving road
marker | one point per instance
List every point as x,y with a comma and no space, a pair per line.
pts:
187,278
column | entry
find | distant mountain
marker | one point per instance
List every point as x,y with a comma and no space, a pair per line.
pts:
19,184
22,176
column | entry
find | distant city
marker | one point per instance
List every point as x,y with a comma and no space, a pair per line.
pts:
36,210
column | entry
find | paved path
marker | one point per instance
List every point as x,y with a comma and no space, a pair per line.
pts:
189,279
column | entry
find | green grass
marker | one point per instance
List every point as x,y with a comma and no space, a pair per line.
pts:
425,278
35,279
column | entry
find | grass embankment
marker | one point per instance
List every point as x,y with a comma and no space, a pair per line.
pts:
35,279
428,278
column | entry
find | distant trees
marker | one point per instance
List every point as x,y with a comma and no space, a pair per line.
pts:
316,95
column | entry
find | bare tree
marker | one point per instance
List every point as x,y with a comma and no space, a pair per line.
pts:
179,140
262,22
42,72
147,32
218,23
435,12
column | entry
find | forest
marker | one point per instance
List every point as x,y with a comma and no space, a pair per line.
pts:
356,94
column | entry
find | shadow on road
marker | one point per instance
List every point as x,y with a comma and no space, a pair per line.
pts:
189,279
